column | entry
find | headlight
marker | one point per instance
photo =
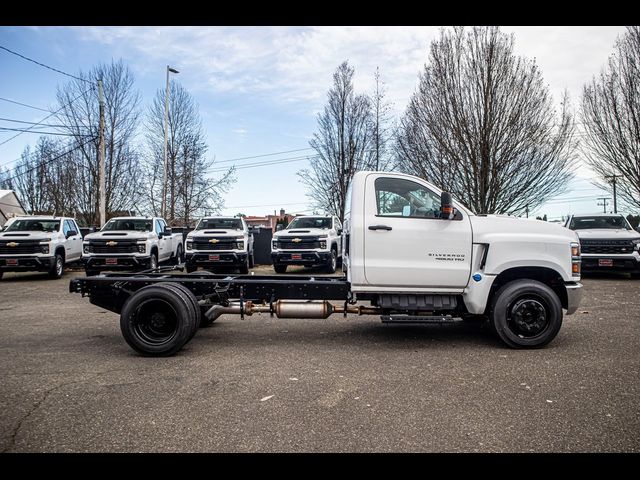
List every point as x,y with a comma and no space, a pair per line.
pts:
48,239
189,245
240,245
85,248
636,244
323,244
322,236
44,248
274,244
142,247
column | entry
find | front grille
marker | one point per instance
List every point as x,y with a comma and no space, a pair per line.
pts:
303,243
223,243
120,247
606,246
23,247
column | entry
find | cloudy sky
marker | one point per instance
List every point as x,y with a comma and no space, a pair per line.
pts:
260,88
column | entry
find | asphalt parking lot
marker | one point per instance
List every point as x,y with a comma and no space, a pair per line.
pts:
70,383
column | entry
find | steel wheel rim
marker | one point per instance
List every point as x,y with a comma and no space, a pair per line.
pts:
528,317
58,266
154,262
155,322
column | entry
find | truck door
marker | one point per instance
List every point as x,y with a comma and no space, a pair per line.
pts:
406,243
164,243
73,244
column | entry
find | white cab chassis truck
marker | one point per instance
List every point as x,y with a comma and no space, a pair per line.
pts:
39,243
219,242
131,243
412,255
308,241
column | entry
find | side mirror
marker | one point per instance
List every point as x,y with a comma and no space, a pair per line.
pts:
71,233
339,231
446,206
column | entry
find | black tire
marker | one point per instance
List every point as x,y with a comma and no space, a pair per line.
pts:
195,306
1,274
279,268
525,314
157,321
153,260
91,273
252,262
57,269
331,265
191,268
178,258
244,268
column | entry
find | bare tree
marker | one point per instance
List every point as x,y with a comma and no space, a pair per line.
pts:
482,125
343,144
382,126
80,116
30,178
611,116
189,191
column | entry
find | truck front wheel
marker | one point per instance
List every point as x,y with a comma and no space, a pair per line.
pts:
333,262
279,268
58,266
153,261
526,314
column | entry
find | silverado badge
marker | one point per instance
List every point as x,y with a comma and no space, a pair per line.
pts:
12,244
111,243
296,240
214,240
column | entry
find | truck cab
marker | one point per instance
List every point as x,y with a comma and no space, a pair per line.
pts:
309,241
131,243
219,242
39,243
608,243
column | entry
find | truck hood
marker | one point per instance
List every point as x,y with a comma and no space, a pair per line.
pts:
608,233
216,233
302,232
119,235
17,236
487,226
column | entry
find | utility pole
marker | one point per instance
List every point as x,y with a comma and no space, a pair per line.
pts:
166,128
102,188
615,197
604,203
527,210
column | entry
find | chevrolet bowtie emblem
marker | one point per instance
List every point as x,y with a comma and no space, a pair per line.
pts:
111,243
214,240
296,240
12,244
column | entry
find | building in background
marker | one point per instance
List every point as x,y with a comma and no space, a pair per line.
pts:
270,221
10,206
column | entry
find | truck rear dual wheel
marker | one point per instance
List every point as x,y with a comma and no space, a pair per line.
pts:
526,314
158,320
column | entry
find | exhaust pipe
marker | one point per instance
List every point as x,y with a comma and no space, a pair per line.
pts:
291,309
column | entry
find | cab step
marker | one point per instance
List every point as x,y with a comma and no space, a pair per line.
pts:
419,319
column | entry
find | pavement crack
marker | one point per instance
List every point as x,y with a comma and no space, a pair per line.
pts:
14,434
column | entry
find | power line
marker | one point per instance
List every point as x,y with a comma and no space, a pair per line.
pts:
40,132
45,66
264,164
52,114
264,155
24,104
268,205
33,123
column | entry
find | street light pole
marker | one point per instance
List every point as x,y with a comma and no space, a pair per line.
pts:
166,131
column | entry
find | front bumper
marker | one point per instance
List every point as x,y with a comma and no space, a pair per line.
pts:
301,258
99,263
27,264
574,296
619,263
216,259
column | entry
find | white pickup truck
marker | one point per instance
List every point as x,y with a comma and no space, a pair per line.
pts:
39,244
219,242
608,243
131,243
308,241
412,255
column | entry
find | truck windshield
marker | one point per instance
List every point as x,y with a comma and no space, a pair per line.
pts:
139,225
34,225
582,223
225,223
310,222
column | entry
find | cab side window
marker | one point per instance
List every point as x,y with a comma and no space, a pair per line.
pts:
159,228
66,227
397,197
